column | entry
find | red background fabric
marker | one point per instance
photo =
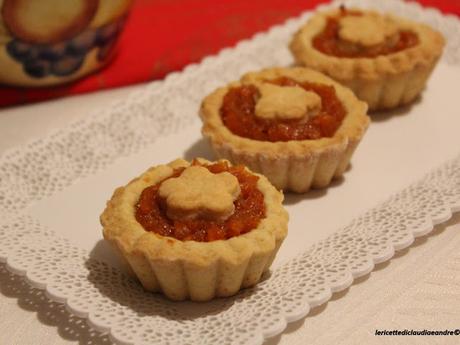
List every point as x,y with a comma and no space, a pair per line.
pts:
165,35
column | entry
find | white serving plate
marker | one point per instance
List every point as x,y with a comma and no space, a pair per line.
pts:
53,190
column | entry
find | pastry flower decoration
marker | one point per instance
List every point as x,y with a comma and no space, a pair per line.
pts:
367,29
198,193
286,103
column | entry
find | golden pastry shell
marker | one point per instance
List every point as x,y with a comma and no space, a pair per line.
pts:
198,271
293,165
384,82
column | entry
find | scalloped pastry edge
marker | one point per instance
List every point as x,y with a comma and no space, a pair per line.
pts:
293,166
199,271
384,82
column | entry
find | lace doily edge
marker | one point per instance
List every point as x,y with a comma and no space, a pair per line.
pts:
301,312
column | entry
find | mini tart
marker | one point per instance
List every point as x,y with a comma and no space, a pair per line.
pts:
383,80
193,270
293,165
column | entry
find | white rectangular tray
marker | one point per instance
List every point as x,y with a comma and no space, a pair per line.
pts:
53,190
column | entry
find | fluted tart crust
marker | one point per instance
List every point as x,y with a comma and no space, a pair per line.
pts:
292,165
385,80
189,269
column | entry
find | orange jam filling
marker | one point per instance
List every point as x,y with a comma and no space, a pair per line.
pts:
238,114
249,210
329,42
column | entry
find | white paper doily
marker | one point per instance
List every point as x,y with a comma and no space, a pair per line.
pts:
116,304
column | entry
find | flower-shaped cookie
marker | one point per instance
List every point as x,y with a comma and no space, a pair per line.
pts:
378,29
198,193
286,103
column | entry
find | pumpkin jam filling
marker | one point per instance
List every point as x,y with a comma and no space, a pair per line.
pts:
157,213
238,113
353,34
